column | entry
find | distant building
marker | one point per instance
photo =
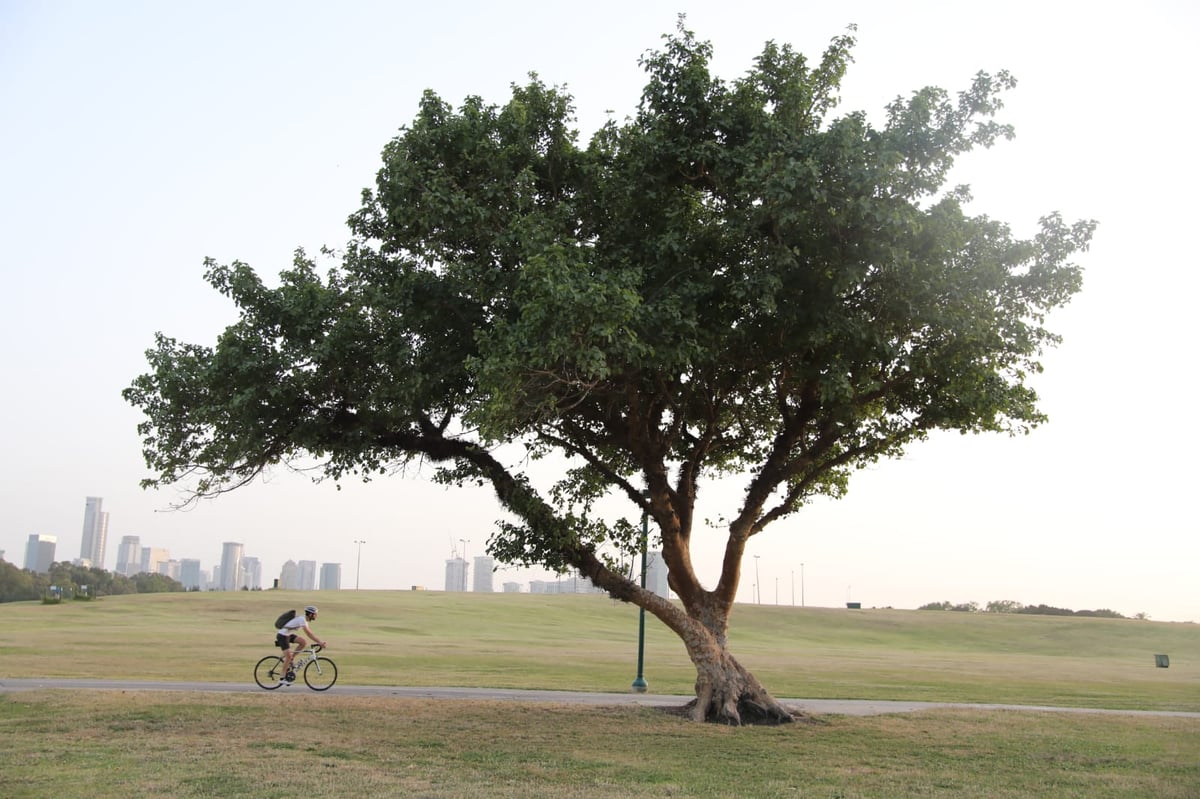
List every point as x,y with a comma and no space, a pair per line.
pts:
485,567
308,575
190,575
95,532
231,566
39,553
456,574
577,584
153,559
512,588
129,556
656,575
251,574
289,576
331,576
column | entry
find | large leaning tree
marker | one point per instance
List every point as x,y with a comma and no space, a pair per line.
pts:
732,282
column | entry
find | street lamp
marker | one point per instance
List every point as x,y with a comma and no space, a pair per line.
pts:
464,542
757,580
358,566
639,683
801,585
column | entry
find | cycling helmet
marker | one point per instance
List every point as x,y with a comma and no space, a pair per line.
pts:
311,609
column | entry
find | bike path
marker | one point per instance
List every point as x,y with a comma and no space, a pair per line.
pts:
842,707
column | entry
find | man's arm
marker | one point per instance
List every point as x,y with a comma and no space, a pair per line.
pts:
313,636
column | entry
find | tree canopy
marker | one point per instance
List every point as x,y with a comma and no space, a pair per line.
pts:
732,281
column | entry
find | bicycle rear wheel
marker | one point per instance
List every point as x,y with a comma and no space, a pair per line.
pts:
268,671
320,674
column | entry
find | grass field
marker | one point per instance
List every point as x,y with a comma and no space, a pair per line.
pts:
588,643
117,744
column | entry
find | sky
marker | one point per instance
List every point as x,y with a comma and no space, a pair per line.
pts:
140,137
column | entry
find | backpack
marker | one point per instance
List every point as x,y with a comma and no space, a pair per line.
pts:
284,618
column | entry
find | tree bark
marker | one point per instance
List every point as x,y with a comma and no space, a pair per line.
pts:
726,692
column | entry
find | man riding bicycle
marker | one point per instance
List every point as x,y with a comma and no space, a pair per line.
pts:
286,635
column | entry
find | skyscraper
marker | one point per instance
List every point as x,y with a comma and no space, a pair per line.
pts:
189,574
289,576
39,553
656,575
95,532
231,566
456,574
308,575
251,573
129,556
153,559
331,576
484,571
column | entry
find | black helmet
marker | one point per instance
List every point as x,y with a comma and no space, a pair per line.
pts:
311,609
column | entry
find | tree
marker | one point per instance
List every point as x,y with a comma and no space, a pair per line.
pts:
733,282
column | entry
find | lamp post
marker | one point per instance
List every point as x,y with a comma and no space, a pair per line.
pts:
801,585
464,542
639,682
358,566
757,581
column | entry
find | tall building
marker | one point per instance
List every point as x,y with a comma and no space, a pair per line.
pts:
289,576
456,574
95,532
484,569
251,574
153,559
656,575
129,556
39,553
331,576
231,566
308,575
189,574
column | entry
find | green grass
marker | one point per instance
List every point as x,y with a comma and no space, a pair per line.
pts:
178,744
589,643
250,745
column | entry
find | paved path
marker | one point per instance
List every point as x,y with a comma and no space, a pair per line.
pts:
844,707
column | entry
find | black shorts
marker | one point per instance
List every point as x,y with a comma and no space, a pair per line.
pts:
284,641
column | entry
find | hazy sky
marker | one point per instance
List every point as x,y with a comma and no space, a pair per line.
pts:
138,138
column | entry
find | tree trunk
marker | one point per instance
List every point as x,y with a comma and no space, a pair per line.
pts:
726,692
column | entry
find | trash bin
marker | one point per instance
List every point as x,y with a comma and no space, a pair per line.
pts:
1162,661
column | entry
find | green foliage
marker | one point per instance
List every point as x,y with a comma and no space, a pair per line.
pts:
76,582
734,280
1008,606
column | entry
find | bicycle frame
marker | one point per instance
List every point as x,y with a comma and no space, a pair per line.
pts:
304,656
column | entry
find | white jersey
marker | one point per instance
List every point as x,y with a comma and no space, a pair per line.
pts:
292,626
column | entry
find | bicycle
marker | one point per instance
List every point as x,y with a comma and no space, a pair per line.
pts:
320,673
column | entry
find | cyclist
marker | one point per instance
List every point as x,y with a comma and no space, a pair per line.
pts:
286,635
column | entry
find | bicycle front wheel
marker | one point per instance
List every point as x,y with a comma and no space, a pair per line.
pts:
320,674
268,671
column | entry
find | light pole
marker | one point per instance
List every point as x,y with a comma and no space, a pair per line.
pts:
757,581
358,566
801,585
639,682
464,542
